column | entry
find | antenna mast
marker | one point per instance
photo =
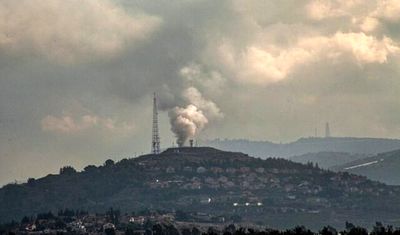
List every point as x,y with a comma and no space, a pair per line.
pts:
327,130
155,142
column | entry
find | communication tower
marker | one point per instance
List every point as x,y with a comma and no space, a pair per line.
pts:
155,142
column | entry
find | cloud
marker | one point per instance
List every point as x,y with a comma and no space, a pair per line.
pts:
366,49
67,124
369,24
319,10
366,14
388,9
211,81
261,63
70,31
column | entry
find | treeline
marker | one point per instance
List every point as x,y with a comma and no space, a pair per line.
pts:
163,228
378,229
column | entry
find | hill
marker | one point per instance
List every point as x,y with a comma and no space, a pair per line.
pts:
301,146
212,184
383,167
327,160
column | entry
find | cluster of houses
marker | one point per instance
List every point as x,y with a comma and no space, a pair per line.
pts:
244,183
216,178
90,224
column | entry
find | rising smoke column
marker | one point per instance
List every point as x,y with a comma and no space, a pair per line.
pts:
209,108
186,122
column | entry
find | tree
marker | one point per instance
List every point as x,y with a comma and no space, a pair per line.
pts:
148,224
349,226
109,163
45,216
272,231
186,231
60,224
90,168
157,229
240,231
212,231
129,231
195,231
171,230
358,231
109,231
26,220
328,230
67,170
113,216
379,229
301,230
31,181
148,232
231,229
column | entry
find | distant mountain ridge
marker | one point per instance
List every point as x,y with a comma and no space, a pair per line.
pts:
215,183
265,149
384,167
327,160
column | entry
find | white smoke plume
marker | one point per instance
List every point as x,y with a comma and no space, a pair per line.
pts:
187,122
210,109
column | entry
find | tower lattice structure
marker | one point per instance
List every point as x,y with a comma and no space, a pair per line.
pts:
155,142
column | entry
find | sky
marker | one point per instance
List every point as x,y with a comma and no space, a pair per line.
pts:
77,77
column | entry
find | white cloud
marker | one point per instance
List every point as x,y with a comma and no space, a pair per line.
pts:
327,9
72,30
262,63
369,24
67,124
319,10
388,9
366,14
272,63
366,49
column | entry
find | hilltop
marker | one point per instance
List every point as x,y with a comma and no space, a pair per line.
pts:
210,183
301,146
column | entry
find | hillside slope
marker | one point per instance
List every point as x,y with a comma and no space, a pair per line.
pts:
327,160
384,167
265,149
274,192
